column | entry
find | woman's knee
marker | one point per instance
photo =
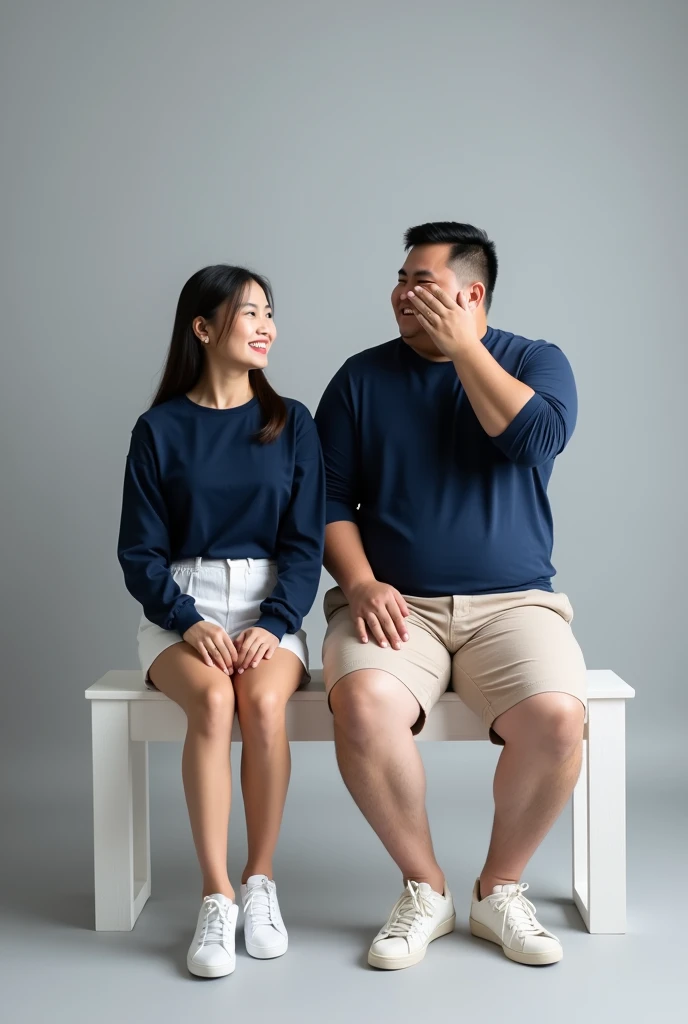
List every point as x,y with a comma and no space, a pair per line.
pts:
210,708
261,709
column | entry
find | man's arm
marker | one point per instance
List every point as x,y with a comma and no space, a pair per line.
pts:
345,558
529,420
495,396
375,607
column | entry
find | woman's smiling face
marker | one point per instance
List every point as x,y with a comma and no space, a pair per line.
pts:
248,342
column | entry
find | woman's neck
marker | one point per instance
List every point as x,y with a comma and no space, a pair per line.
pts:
222,391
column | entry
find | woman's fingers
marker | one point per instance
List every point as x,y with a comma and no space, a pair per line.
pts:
202,650
229,644
246,655
216,654
260,654
243,652
226,655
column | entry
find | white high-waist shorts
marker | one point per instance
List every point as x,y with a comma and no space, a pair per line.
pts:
228,592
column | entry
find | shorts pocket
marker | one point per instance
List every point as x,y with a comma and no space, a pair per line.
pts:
333,601
185,578
560,603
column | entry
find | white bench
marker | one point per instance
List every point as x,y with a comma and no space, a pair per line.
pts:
126,716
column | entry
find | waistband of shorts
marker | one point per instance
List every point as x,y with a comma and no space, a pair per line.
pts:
199,563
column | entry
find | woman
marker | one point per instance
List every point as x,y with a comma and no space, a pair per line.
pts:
221,542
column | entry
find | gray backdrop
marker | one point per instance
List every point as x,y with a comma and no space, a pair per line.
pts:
143,139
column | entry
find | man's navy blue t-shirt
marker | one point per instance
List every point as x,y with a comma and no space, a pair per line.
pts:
442,507
197,482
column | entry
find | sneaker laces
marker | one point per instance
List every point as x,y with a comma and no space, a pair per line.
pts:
413,908
260,902
215,920
519,912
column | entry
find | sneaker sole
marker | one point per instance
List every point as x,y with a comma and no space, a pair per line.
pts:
397,963
482,932
204,971
261,953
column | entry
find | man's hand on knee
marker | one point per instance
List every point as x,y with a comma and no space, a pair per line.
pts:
379,609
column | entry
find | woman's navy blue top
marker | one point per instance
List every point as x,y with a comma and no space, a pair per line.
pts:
197,482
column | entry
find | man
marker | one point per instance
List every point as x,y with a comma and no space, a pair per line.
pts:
438,448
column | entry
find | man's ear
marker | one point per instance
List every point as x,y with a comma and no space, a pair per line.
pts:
472,296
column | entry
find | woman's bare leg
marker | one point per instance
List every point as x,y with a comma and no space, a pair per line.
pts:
207,698
262,694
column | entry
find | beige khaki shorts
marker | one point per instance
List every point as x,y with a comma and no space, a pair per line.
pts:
494,650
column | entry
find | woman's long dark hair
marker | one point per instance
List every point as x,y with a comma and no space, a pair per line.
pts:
202,295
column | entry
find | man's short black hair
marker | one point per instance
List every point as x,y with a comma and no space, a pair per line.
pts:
472,252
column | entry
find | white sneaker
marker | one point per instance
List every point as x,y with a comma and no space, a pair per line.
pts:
508,918
264,932
419,916
212,952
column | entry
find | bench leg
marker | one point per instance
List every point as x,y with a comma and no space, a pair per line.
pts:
121,842
141,825
599,821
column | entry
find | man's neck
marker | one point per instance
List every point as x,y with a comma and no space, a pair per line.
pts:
423,345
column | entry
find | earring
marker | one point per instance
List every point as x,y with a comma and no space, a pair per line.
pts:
206,340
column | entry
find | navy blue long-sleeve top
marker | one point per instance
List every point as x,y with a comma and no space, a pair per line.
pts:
197,482
442,507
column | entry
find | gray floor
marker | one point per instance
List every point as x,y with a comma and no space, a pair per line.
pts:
336,886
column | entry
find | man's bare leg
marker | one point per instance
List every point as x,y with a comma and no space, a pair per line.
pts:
535,776
382,768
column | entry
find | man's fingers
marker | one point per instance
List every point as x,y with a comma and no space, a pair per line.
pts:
361,630
390,629
430,300
376,629
398,621
422,308
442,297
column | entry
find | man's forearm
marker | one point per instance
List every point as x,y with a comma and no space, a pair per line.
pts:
345,558
495,396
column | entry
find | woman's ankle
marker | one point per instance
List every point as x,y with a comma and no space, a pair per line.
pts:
223,887
248,872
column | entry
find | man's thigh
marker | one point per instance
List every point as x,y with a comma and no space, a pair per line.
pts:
523,644
423,663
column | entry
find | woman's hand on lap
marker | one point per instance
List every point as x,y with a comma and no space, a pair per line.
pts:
252,646
213,645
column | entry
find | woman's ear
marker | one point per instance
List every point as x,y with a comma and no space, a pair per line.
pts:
200,329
